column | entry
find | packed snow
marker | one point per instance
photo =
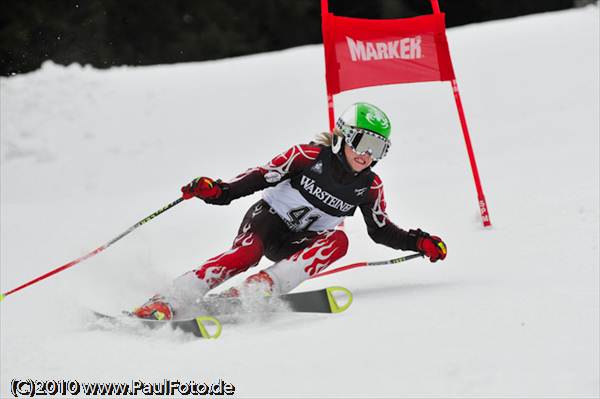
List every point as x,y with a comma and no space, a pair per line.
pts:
512,312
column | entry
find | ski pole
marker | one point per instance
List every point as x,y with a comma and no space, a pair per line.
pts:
363,264
94,252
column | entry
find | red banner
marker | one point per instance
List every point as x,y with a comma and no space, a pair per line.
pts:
365,52
372,52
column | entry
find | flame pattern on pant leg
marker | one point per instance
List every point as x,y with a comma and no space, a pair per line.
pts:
329,247
325,249
246,252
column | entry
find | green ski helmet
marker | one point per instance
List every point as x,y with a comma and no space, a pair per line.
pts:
366,129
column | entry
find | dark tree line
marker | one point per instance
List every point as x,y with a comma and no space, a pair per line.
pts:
105,33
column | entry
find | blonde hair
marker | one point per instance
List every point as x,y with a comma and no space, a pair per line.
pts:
325,138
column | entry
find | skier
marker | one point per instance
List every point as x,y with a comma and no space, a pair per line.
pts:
308,191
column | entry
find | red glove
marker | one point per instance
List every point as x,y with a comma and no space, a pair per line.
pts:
431,246
202,187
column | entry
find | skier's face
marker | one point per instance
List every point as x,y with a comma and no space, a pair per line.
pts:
357,161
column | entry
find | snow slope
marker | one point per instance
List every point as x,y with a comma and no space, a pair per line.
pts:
512,312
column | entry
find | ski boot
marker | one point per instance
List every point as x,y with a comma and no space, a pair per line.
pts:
257,285
155,309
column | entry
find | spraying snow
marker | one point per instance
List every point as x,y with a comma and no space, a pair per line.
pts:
512,312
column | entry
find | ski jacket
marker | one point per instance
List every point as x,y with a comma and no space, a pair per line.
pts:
310,189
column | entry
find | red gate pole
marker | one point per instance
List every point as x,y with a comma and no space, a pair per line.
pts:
324,34
483,208
330,112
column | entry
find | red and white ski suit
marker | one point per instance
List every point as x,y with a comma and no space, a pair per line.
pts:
308,191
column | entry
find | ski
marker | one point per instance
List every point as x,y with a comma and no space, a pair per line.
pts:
197,326
326,300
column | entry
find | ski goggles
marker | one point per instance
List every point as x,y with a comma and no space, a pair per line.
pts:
364,141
